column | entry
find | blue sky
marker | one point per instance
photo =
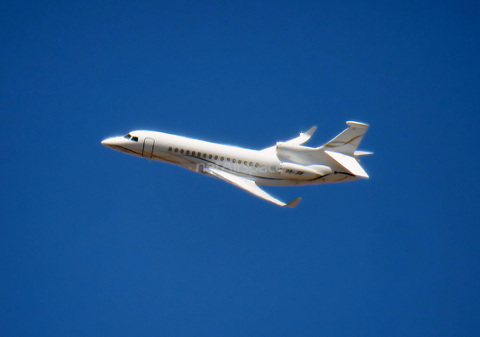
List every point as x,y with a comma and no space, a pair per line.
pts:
94,242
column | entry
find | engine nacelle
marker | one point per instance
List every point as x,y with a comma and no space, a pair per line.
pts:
294,153
301,172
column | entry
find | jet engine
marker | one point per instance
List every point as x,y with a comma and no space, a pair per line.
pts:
301,172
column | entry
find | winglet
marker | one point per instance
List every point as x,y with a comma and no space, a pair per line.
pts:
293,203
310,131
301,139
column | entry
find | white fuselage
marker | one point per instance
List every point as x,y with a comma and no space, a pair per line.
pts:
263,167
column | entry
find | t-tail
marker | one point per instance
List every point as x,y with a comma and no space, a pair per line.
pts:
343,148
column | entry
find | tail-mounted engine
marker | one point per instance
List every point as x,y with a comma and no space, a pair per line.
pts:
301,172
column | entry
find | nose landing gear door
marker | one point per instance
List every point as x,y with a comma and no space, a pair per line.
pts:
148,145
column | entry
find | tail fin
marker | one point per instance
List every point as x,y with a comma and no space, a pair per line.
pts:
348,141
343,148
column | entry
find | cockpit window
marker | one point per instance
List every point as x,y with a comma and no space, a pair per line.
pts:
129,137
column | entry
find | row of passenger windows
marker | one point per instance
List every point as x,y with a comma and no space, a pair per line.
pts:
210,156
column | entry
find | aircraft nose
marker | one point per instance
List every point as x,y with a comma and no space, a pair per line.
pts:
108,142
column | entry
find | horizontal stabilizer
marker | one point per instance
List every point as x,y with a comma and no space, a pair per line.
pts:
362,153
348,162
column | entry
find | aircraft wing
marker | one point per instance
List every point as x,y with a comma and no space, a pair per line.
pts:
303,138
249,186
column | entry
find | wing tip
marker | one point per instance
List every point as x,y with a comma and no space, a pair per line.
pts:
293,203
310,131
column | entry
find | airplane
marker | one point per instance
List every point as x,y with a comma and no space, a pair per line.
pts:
286,163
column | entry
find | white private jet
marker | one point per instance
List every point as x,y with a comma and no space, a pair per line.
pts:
286,163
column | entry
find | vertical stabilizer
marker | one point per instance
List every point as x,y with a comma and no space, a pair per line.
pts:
348,141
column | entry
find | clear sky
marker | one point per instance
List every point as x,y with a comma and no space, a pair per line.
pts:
98,243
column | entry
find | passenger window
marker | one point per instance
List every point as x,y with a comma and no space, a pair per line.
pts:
188,152
170,148
234,160
228,159
204,155
216,157
256,165
193,153
245,163
251,164
181,151
222,158
209,156
176,149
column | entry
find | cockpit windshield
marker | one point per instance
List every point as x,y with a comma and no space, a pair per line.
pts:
129,137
